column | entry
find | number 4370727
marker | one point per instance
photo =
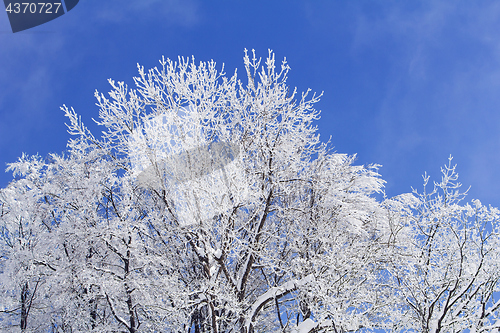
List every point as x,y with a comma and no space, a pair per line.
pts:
33,7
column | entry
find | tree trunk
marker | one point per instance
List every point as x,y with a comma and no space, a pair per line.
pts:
24,306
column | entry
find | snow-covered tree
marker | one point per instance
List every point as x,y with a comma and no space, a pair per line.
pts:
445,265
27,249
211,205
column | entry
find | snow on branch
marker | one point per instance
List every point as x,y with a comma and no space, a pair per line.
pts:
273,293
310,325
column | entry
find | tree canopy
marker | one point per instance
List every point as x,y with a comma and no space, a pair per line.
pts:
211,205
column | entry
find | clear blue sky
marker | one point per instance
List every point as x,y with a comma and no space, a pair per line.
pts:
406,83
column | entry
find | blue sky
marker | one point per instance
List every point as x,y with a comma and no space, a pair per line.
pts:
405,83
